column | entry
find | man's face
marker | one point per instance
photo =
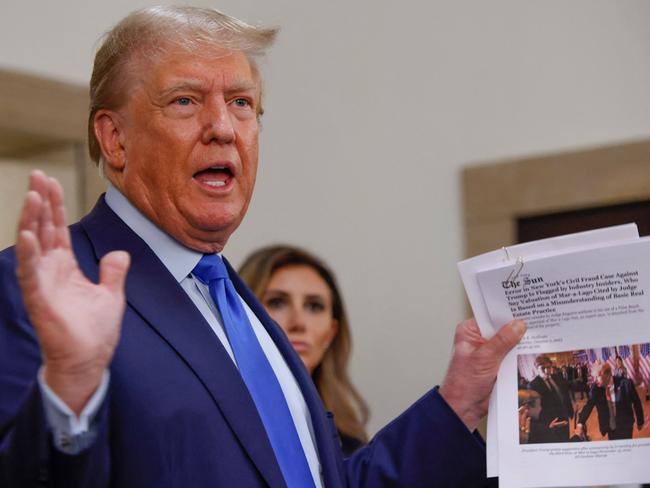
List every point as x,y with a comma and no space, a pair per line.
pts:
189,132
603,378
545,369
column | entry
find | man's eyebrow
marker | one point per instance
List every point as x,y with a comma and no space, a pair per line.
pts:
199,85
191,85
242,86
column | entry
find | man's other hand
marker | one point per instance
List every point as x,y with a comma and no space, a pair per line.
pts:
473,368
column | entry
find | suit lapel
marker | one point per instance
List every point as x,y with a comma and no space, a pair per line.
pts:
156,296
327,451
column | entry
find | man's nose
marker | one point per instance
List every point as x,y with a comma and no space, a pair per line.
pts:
218,124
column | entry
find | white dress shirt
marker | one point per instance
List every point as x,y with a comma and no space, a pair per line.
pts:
73,434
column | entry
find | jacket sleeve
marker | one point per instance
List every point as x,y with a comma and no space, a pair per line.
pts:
586,410
428,445
638,406
28,457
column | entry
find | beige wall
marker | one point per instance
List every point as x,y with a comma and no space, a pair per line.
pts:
13,183
373,106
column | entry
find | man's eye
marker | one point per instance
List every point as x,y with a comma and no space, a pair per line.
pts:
184,101
241,102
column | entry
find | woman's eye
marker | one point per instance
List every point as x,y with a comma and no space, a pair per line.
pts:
315,306
275,303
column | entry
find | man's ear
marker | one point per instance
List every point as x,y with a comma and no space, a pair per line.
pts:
109,132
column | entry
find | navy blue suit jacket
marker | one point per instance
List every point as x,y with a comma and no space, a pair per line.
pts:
177,413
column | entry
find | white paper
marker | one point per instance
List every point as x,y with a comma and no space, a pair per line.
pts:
575,302
508,256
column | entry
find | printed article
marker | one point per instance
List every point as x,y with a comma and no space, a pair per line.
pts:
573,406
469,268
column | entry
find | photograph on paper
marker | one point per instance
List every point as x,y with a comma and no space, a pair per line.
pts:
583,309
584,395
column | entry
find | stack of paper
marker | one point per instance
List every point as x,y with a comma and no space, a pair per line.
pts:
585,299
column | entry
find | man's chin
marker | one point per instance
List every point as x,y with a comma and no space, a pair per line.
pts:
205,245
209,239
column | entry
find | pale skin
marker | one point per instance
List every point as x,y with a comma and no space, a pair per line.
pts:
77,322
473,368
192,113
188,113
300,301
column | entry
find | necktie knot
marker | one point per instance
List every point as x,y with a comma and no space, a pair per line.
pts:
210,268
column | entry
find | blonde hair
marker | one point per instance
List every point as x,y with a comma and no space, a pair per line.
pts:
331,376
152,31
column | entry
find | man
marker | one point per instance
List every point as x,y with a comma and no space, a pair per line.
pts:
557,408
567,377
173,375
617,403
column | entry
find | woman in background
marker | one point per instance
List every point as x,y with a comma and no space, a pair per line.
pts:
300,294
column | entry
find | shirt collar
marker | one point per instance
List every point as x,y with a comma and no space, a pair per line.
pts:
178,259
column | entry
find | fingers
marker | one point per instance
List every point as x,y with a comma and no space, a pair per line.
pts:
45,225
29,215
43,212
61,231
556,422
505,339
27,254
468,331
40,183
112,270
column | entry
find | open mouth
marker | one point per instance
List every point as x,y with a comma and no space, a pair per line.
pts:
214,176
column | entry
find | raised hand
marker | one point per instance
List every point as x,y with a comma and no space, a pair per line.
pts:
524,424
473,368
77,321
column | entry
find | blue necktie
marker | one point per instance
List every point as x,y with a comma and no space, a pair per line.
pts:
257,373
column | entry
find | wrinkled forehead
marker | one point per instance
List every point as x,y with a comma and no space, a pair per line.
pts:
152,66
169,54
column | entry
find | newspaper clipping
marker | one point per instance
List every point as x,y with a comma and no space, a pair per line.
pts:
573,397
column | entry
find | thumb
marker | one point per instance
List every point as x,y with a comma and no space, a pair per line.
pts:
505,339
112,270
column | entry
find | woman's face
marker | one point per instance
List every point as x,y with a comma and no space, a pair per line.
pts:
300,301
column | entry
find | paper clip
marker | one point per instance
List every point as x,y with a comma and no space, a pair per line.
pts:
516,270
505,250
